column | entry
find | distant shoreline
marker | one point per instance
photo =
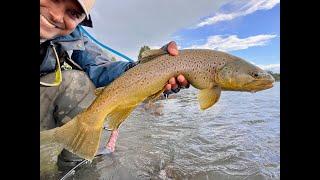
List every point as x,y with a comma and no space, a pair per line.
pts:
276,76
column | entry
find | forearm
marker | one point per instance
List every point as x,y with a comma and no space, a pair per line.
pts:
98,65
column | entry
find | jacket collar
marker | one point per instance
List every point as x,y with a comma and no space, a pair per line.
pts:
73,41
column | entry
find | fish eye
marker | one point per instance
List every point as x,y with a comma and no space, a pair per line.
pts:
254,74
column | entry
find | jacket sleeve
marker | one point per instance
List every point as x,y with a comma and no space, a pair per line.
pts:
97,65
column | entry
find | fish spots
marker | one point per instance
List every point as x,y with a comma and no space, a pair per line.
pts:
145,80
209,70
221,64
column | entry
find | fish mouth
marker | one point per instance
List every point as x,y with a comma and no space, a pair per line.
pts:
263,87
259,85
262,82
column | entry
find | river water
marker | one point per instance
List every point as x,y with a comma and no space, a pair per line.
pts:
237,138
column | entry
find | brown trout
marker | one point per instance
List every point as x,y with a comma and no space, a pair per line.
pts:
207,70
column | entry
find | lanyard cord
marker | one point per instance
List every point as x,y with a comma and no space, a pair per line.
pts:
58,73
104,46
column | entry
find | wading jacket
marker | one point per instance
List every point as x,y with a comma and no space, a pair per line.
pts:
89,56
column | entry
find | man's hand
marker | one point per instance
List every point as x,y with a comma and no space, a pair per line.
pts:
174,83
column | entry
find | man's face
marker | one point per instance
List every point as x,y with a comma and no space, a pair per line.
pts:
59,17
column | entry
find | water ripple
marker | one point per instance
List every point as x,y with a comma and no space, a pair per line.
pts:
238,138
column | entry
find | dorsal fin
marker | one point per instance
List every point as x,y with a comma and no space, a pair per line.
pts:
151,54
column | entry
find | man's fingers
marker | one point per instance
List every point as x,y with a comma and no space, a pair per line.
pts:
173,49
174,84
182,81
172,81
168,87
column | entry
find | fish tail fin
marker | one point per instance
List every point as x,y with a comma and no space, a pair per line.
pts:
79,138
46,136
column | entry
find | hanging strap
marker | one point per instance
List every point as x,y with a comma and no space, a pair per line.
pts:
58,74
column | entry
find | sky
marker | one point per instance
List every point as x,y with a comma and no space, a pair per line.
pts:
249,29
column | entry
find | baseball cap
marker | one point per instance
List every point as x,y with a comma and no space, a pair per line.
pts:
87,7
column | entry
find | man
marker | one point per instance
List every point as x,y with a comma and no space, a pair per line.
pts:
62,41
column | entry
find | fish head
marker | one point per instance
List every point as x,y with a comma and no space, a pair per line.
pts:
240,75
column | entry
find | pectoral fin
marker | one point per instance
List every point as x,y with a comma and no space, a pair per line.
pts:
208,97
155,96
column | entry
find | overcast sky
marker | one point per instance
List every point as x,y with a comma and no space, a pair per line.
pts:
249,29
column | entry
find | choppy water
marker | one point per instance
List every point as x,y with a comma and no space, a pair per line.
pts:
237,138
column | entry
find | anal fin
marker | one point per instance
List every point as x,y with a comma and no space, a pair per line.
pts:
117,116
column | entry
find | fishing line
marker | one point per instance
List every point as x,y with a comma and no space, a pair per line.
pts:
72,171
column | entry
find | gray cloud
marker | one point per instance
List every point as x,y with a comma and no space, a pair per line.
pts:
129,24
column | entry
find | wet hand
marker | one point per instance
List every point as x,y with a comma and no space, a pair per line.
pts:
175,83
